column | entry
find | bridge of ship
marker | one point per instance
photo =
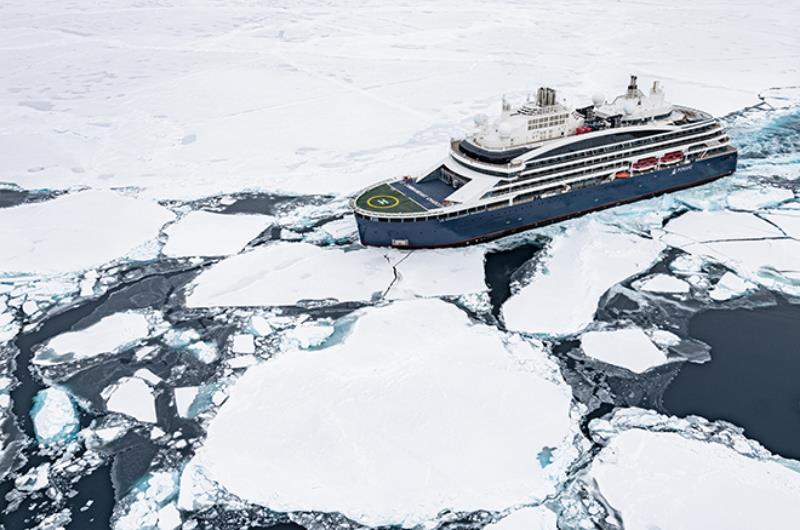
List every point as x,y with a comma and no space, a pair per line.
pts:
405,196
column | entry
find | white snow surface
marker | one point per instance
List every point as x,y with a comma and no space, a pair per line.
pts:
192,100
663,283
54,416
581,264
243,343
184,397
753,248
729,286
76,231
442,414
110,334
757,198
133,397
534,518
668,480
629,348
286,273
202,233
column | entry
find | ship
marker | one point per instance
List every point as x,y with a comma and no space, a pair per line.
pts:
541,162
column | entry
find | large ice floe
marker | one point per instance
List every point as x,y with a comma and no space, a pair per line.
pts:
756,249
76,231
131,396
629,348
670,473
417,411
581,264
288,273
109,335
212,234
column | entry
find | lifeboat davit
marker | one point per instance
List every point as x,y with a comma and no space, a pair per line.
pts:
645,164
672,158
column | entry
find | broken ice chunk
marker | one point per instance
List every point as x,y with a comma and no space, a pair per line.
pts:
629,348
111,334
243,343
133,397
757,198
662,283
55,418
202,233
184,397
582,263
729,286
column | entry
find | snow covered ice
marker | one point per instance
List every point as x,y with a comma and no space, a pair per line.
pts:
109,335
657,475
76,231
55,418
581,264
138,132
443,415
629,348
213,234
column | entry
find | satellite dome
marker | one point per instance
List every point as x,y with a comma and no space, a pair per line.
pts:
481,119
629,107
598,99
504,129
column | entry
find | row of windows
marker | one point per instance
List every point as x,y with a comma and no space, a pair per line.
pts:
617,156
616,147
547,121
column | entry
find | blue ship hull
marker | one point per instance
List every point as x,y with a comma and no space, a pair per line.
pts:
491,224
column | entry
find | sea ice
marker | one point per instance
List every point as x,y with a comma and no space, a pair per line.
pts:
308,334
629,348
662,283
657,475
755,249
109,335
535,518
184,397
446,272
202,233
757,198
54,416
243,343
76,231
287,273
729,286
416,411
581,264
133,397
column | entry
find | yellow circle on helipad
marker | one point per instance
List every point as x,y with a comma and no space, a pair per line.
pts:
383,201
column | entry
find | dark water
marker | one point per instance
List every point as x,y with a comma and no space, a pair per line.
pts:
499,269
753,378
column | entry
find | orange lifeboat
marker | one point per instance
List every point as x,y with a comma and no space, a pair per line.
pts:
622,174
673,157
645,163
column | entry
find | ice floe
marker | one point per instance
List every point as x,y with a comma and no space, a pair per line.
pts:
202,233
243,343
184,397
55,418
76,231
133,397
662,283
729,286
660,472
418,410
758,198
757,250
561,296
111,334
629,348
287,273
